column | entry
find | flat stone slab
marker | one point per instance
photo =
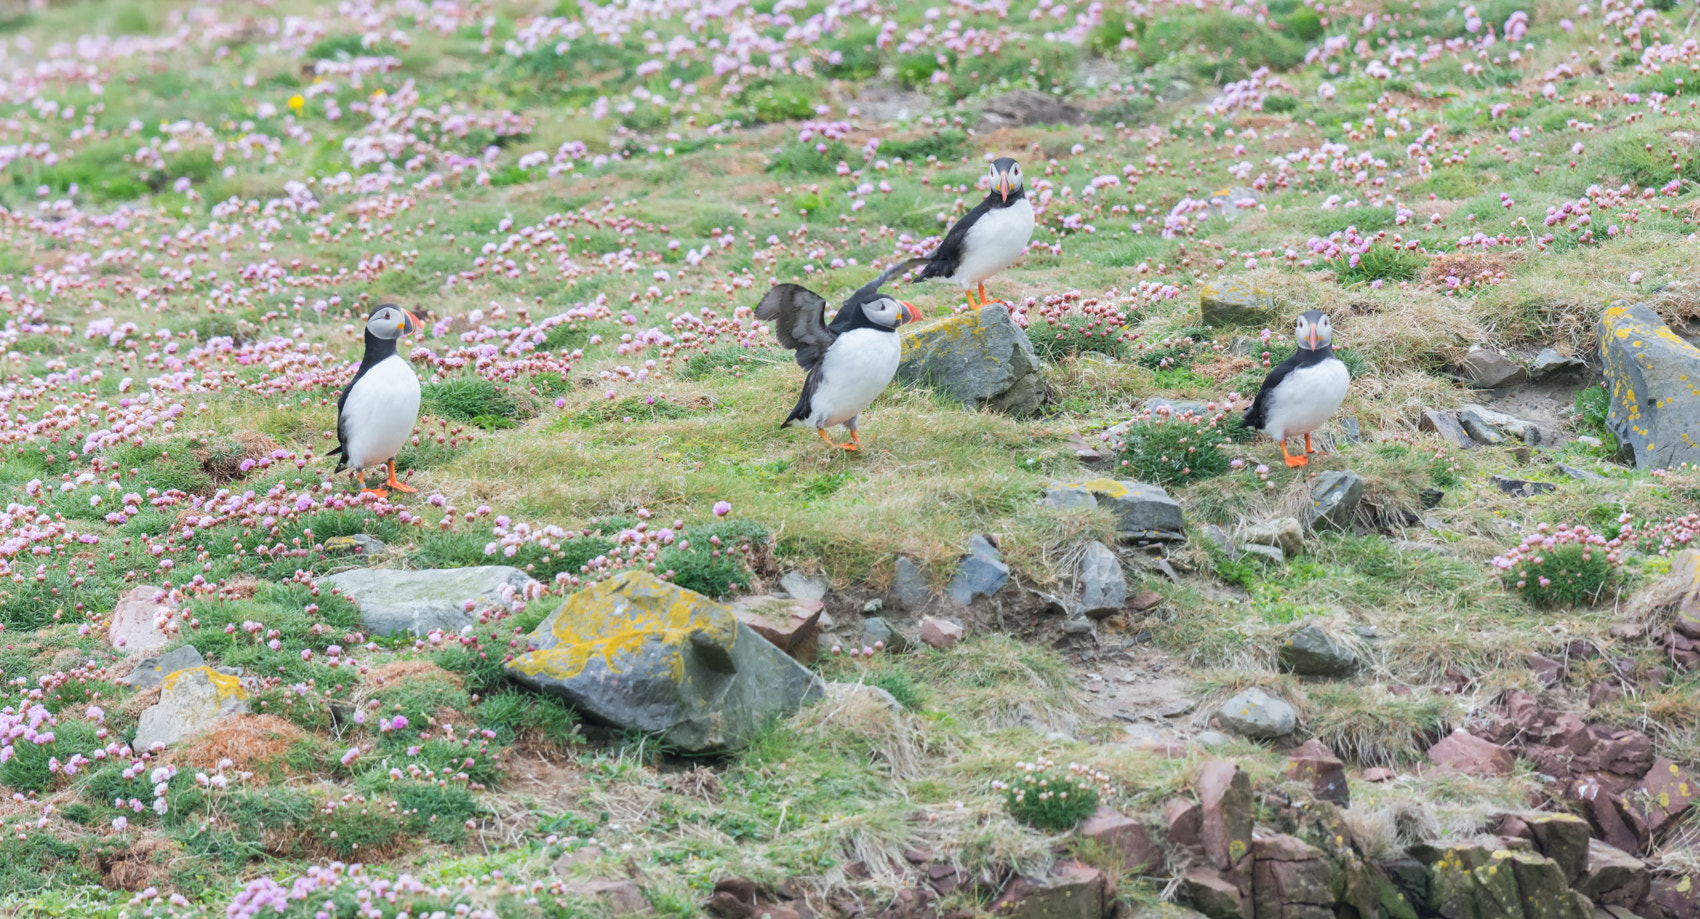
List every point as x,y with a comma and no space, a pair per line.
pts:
136,619
392,600
1143,512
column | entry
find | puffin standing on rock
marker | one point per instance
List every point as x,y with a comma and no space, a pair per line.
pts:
376,413
1303,391
850,361
988,238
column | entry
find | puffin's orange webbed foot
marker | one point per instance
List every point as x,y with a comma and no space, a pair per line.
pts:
379,492
398,486
1293,461
855,442
1308,448
826,437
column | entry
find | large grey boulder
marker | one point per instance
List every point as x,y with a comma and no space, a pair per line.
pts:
1143,512
152,671
1103,584
981,358
1258,715
981,574
1236,302
639,653
1312,652
392,600
1334,498
1653,376
189,702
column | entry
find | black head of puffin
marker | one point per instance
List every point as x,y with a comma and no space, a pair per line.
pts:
1005,177
391,321
1314,330
890,312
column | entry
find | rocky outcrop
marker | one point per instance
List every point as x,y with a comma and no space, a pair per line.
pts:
1236,302
981,358
1144,513
189,702
639,653
392,600
1653,376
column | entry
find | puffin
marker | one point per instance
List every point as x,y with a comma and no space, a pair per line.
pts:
850,360
1303,390
988,238
376,413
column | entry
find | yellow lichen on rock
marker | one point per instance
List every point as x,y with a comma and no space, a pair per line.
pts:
615,620
227,687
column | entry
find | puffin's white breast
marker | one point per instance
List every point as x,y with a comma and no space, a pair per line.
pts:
854,372
994,241
1306,399
379,414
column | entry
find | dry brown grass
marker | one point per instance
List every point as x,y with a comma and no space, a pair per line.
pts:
146,863
251,742
387,675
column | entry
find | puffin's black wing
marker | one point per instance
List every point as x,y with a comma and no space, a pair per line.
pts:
804,406
944,260
1258,415
847,317
799,319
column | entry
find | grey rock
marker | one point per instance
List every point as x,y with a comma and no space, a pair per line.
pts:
1312,652
1175,406
152,671
1590,441
1576,472
1236,302
641,654
1334,498
1431,498
1220,538
889,103
1518,488
873,606
1267,553
1143,512
1211,738
1284,533
981,574
1069,497
1103,587
1077,627
358,544
189,702
1023,107
1501,424
1478,428
877,631
392,600
1054,605
1485,368
1447,426
910,584
1350,432
1258,715
1549,365
981,358
1650,372
805,586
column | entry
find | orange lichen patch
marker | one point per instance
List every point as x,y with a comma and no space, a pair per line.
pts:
247,741
1222,367
397,672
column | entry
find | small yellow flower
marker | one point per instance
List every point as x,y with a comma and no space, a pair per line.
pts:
296,102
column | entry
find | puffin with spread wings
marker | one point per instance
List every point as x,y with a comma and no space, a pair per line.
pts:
850,360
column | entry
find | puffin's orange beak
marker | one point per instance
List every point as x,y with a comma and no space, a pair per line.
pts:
1313,338
410,324
1003,186
910,313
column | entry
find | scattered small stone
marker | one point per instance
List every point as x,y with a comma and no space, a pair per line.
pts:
1485,368
1588,440
1211,739
1312,652
1478,428
1334,498
1077,627
981,574
1379,774
1285,533
358,544
877,631
1581,474
1268,553
1466,752
1103,583
152,671
1085,451
1431,498
1519,488
940,634
1350,430
1236,302
805,586
1258,715
1054,605
1144,600
1173,708
1446,424
910,585
1174,406
1220,537
1549,364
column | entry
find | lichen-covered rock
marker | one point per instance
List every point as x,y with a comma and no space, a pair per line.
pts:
1312,652
1143,512
1654,379
981,358
1334,499
1236,302
152,671
189,701
1259,715
639,653
392,600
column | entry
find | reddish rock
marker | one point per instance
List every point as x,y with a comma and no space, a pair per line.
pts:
1571,733
944,879
1665,793
1144,600
1548,671
1123,837
1379,774
576,857
1291,880
1467,753
1611,820
618,897
941,634
1074,890
1679,897
1215,896
1628,753
793,626
1317,767
1612,876
1225,813
1183,819
1522,709
1629,631
1600,694
1563,838
133,631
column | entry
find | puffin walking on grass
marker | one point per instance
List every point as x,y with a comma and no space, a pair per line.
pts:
376,413
850,361
988,238
1303,391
